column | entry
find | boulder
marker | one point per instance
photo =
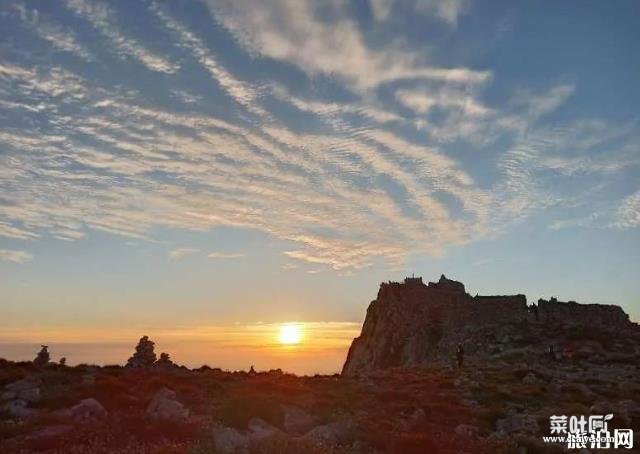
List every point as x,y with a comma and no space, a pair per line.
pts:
259,429
296,420
26,389
230,441
87,410
330,435
467,430
165,406
18,409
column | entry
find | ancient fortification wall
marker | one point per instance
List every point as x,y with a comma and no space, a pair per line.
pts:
411,323
584,314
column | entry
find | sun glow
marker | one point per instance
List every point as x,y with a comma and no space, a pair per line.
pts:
290,334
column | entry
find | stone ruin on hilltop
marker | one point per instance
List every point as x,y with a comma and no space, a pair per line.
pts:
411,324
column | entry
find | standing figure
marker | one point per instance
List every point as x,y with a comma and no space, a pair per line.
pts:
460,355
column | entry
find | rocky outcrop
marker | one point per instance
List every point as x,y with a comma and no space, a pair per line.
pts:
411,324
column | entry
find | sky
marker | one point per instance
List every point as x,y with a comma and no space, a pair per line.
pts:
195,166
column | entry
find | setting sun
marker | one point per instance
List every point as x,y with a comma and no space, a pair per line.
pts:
290,334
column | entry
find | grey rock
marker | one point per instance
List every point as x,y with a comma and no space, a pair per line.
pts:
230,441
165,405
88,410
26,389
332,434
18,409
259,429
296,420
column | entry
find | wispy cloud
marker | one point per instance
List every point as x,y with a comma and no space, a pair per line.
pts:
182,252
627,213
15,256
291,31
102,17
224,255
409,159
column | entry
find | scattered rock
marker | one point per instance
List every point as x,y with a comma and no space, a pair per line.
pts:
296,420
88,410
165,405
26,389
18,409
467,430
330,435
259,429
230,441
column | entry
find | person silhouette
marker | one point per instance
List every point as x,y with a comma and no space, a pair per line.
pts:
460,355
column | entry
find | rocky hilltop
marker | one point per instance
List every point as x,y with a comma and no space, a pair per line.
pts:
400,392
413,324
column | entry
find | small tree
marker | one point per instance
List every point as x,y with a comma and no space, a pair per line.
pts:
144,356
63,361
43,356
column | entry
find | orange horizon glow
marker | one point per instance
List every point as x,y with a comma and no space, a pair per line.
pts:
298,347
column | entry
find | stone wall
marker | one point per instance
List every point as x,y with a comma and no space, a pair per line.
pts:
582,314
501,308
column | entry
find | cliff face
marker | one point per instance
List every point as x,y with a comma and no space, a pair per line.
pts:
411,323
